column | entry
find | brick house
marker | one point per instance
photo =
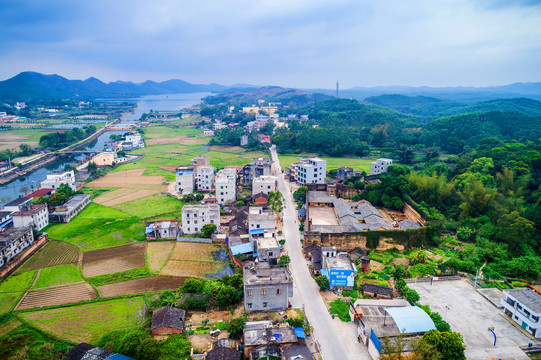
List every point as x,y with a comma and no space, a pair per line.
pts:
167,320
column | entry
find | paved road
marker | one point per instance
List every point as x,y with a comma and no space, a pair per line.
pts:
324,332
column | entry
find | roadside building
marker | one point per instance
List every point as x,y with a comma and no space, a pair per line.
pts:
377,291
35,216
13,241
205,178
340,272
167,229
17,204
298,352
267,249
104,159
194,217
261,219
85,351
6,219
40,193
185,179
259,199
380,166
267,287
223,353
226,186
264,184
258,167
167,320
262,338
55,179
524,307
67,211
311,171
136,140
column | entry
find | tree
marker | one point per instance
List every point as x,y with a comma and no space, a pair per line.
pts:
284,260
208,229
148,349
322,282
193,286
236,327
275,201
359,185
300,194
130,343
448,345
412,296
227,295
92,168
406,154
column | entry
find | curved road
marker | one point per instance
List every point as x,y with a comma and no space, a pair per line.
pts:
316,311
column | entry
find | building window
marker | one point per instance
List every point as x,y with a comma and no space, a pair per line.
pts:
270,253
249,305
212,221
263,291
278,291
264,304
250,292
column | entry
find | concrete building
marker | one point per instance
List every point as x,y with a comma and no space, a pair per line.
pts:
13,241
267,287
35,216
260,342
244,140
261,219
259,167
17,204
67,211
340,272
168,229
136,140
344,173
208,133
267,249
85,351
194,217
311,171
524,307
218,125
205,178
200,161
55,179
185,180
6,220
380,166
226,186
264,184
104,159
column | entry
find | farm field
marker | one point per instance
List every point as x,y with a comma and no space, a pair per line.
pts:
113,260
194,260
89,322
152,206
55,296
57,275
194,251
158,253
358,164
8,301
154,283
191,268
98,227
13,288
54,253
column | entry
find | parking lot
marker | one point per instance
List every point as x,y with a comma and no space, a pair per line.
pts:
469,313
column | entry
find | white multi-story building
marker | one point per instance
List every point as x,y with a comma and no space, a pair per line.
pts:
36,216
185,180
205,177
218,125
264,184
311,171
136,140
13,241
226,186
524,307
380,166
55,179
194,217
261,219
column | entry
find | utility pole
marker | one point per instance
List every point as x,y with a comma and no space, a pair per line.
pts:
337,88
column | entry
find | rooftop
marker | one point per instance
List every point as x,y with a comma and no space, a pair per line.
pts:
18,201
411,319
34,209
262,333
40,192
298,352
13,233
71,204
168,316
211,207
408,224
277,275
378,289
527,297
223,353
339,262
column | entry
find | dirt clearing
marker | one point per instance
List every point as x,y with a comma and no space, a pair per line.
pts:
57,296
112,260
155,283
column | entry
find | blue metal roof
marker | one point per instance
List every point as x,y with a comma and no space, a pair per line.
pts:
300,333
189,172
324,272
302,212
242,249
119,357
149,228
257,231
411,319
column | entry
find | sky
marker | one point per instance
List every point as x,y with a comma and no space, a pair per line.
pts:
293,43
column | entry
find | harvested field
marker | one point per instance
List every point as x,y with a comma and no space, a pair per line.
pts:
57,296
125,178
89,322
52,254
191,268
168,168
231,149
154,283
158,254
194,251
179,139
113,260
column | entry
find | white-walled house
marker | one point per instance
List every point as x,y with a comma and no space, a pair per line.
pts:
205,178
55,179
264,184
185,180
524,307
31,215
194,217
226,185
311,171
380,166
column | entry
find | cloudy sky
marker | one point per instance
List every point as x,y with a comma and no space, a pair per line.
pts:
300,43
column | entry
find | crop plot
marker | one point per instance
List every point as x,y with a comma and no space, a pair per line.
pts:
58,275
57,296
13,288
52,254
89,322
154,283
194,251
195,260
113,260
158,254
191,268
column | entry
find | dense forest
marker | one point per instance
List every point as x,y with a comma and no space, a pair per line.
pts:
58,140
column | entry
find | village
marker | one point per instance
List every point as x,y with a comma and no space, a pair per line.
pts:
216,248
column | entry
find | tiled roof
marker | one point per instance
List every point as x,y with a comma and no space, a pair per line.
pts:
223,353
168,316
378,289
34,209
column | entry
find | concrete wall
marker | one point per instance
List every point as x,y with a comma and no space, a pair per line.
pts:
274,301
162,330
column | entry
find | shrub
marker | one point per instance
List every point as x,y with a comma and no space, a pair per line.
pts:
236,326
284,260
193,286
196,303
322,282
227,295
341,309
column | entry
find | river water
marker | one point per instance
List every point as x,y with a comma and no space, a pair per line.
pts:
162,103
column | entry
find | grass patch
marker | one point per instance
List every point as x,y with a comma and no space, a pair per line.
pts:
152,132
89,322
95,192
132,274
98,227
341,309
58,275
54,253
8,301
152,206
17,283
358,164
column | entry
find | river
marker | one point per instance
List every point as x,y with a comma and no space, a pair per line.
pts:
162,103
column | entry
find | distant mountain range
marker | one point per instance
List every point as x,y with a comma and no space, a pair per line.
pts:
32,85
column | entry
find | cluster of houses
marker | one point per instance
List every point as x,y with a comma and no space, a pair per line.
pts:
20,216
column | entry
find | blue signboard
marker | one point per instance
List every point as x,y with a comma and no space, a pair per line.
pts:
342,277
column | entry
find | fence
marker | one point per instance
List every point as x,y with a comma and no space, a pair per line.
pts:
428,279
197,240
